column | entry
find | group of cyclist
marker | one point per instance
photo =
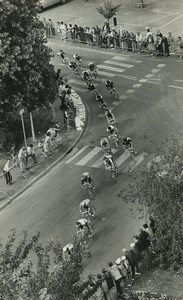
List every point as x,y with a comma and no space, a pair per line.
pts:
86,209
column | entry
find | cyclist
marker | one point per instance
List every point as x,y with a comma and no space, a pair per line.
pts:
109,85
127,145
109,162
92,89
104,143
110,117
73,66
84,206
100,101
61,54
77,59
86,77
82,225
111,130
92,67
85,179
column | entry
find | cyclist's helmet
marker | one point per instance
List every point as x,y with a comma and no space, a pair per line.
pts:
78,223
104,141
99,97
71,64
91,86
107,82
85,175
109,128
85,73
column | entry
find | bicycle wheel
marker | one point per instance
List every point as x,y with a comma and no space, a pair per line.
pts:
91,191
113,176
116,142
92,211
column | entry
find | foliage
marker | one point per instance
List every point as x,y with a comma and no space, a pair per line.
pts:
12,133
48,276
143,295
27,77
159,189
108,10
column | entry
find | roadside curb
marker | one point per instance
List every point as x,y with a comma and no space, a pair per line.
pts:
52,165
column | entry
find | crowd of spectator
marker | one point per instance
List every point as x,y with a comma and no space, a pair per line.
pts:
154,43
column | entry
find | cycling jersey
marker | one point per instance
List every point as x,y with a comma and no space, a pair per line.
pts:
77,57
85,74
109,84
92,66
91,87
104,143
111,130
81,223
127,142
85,204
72,65
99,98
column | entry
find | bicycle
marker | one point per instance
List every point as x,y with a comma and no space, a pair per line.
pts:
113,91
114,172
90,213
132,154
91,190
95,74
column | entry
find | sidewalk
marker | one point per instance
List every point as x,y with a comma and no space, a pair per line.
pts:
66,142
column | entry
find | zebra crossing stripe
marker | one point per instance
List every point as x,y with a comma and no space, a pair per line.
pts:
122,158
111,62
77,82
106,74
111,68
76,154
132,165
127,59
99,162
89,156
78,89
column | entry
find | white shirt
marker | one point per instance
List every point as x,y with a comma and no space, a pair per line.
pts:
22,153
7,166
83,221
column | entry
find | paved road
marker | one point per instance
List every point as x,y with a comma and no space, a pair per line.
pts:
150,110
166,15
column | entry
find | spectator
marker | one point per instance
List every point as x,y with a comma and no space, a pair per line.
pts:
45,27
133,258
67,251
103,285
106,28
98,35
58,76
115,273
51,28
139,40
128,41
110,284
124,45
57,28
12,152
122,269
22,159
70,36
165,46
6,172
47,144
179,47
171,43
128,268
150,44
31,153
133,42
62,31
159,44
152,225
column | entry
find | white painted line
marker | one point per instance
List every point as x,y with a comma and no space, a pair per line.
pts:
130,91
77,82
99,162
122,158
143,80
133,164
155,71
172,21
156,79
75,155
137,85
106,74
83,90
89,156
152,82
100,115
127,59
149,81
110,68
123,97
176,87
178,80
149,75
116,103
161,65
111,62
128,77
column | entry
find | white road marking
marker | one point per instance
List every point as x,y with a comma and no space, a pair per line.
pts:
130,91
122,158
155,70
100,115
99,162
137,85
99,79
110,68
172,21
178,80
161,65
116,103
156,79
123,97
128,77
152,82
76,88
75,155
143,80
106,74
176,87
123,58
149,75
133,165
78,82
89,156
111,62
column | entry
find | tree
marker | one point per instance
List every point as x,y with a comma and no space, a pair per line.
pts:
27,77
108,10
159,190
